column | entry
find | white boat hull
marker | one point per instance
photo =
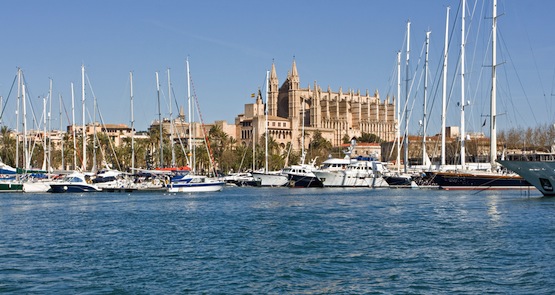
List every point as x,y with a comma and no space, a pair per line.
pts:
268,179
345,179
36,187
196,187
195,184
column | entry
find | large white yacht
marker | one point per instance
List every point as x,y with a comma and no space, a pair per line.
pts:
361,171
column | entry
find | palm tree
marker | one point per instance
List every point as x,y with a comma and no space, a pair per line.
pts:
369,137
319,147
275,160
7,153
218,141
154,142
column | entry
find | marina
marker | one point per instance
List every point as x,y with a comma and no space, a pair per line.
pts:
278,240
373,157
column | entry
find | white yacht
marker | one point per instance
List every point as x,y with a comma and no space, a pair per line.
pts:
352,172
189,183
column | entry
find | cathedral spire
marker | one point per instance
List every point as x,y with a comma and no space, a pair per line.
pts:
295,81
273,79
273,73
294,72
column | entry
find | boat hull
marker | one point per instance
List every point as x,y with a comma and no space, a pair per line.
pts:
479,181
73,188
298,180
345,179
36,187
398,180
540,174
10,187
267,179
196,187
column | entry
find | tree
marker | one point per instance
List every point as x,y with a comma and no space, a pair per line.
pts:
218,141
370,138
154,143
7,153
319,147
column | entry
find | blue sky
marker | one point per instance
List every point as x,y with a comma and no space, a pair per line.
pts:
230,44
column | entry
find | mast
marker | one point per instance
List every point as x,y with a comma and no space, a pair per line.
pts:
444,90
425,115
398,106
253,149
171,119
44,150
73,127
266,123
406,140
50,128
493,106
25,147
84,168
160,122
190,117
132,124
302,133
462,104
61,134
94,167
19,86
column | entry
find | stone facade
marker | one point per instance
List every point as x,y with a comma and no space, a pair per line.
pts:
334,114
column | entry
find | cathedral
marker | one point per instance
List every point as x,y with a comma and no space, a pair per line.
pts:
294,111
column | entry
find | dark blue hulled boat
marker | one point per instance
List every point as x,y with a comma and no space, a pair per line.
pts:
75,182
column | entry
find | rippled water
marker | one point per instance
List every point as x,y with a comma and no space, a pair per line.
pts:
278,240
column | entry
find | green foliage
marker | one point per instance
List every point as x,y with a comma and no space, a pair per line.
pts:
369,138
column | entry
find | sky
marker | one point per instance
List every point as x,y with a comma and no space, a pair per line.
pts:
230,45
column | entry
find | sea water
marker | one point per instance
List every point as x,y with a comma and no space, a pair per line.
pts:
279,241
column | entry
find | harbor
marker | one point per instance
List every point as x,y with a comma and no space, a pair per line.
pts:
291,147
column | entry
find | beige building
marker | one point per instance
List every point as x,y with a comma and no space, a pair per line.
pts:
334,114
116,132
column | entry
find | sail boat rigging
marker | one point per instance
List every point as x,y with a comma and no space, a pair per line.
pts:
189,181
480,180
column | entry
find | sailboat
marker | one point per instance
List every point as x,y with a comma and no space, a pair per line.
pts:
266,177
25,179
38,181
187,181
466,179
78,181
396,177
